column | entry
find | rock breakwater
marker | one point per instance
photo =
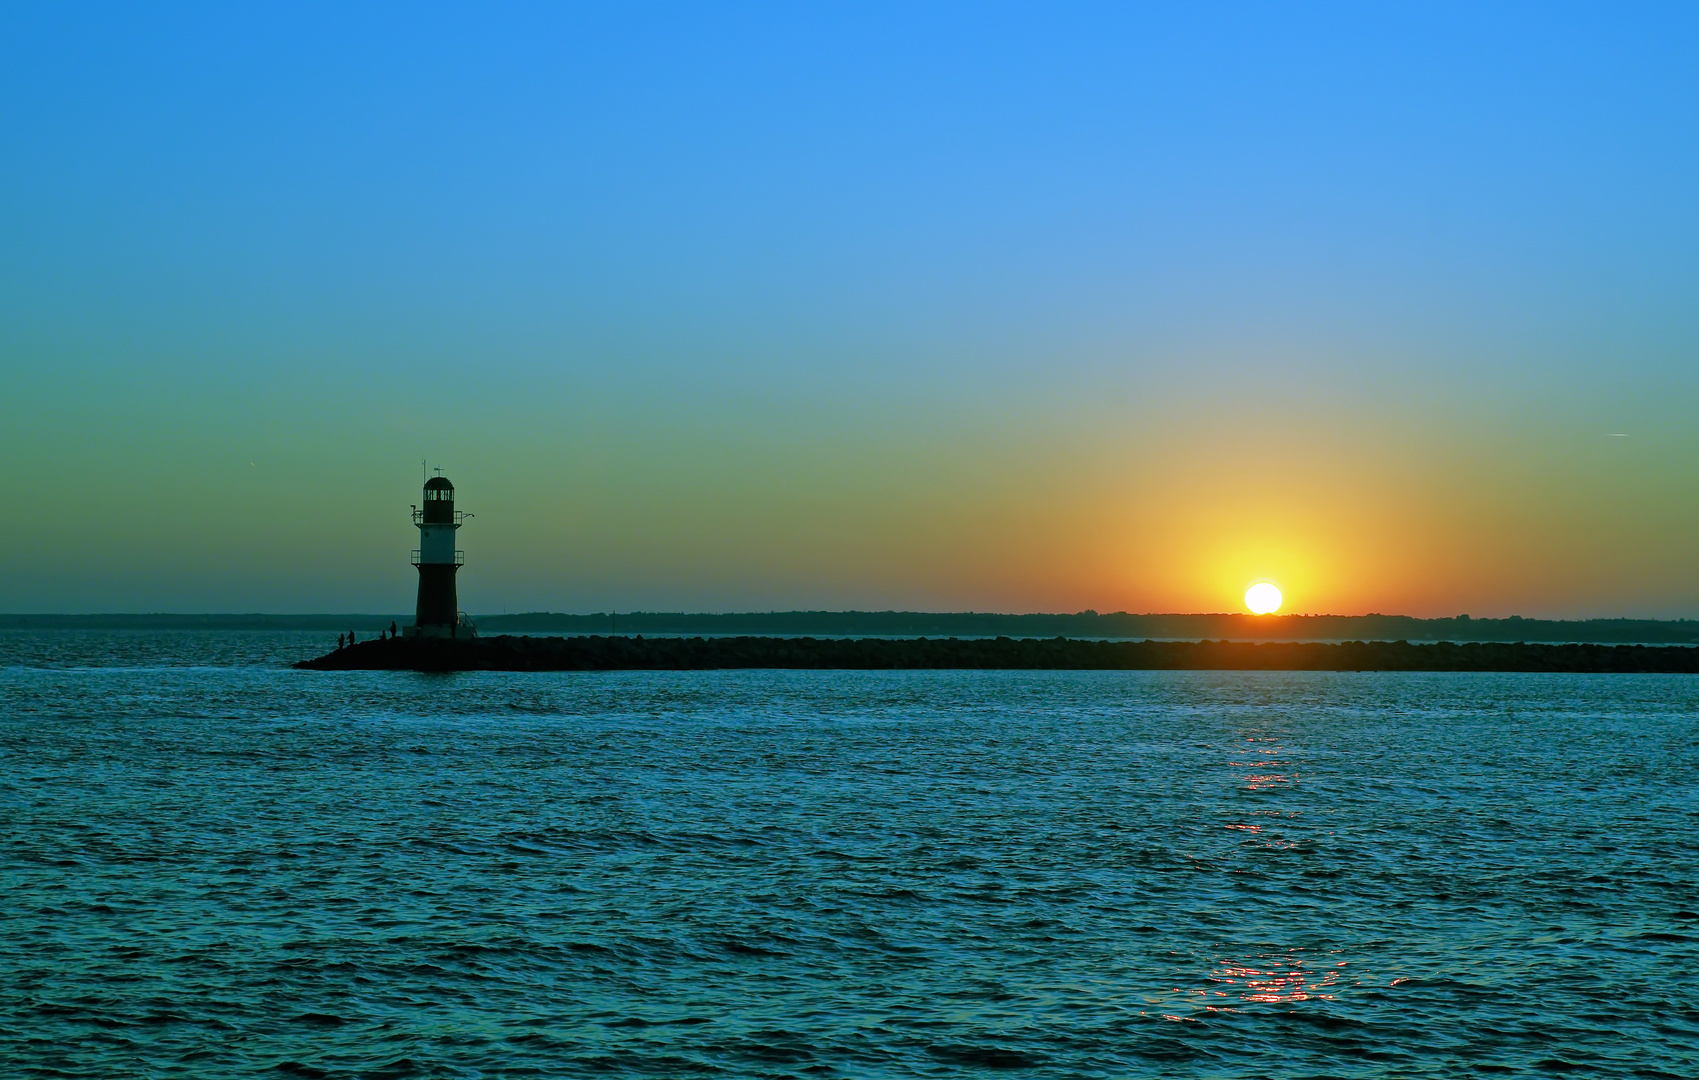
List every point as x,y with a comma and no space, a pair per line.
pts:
599,653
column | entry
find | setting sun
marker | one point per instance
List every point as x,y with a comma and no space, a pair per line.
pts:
1263,598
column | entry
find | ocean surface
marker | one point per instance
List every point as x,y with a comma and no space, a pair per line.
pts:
214,866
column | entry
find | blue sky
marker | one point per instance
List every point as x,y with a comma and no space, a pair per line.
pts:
1021,307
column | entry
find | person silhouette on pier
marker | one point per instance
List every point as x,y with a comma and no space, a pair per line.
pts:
339,641
392,631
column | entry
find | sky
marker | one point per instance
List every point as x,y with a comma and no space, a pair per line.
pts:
742,307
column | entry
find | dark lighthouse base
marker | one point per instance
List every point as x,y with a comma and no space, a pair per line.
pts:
508,653
437,613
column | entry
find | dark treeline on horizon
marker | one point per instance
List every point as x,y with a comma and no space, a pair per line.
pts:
231,621
1119,624
1085,624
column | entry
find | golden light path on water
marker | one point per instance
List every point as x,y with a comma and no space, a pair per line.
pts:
1271,974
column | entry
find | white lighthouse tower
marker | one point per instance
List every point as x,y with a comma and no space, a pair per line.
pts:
438,612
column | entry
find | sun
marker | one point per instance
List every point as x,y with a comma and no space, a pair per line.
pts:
1263,598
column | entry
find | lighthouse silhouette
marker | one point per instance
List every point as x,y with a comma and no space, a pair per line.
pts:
438,613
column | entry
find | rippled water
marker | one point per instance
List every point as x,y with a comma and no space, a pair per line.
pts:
215,866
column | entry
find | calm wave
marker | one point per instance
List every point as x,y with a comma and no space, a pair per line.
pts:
214,866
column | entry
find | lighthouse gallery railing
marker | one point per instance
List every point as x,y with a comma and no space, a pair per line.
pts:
459,559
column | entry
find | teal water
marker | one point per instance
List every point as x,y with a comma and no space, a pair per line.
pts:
216,866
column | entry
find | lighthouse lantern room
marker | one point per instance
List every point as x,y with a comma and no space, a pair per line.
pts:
438,613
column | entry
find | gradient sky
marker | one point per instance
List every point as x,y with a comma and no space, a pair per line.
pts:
738,307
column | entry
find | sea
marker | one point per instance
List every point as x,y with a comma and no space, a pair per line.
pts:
212,865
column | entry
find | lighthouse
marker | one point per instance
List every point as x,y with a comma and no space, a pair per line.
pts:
437,558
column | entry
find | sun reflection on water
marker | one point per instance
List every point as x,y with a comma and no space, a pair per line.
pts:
1232,978
1235,983
1275,978
1268,758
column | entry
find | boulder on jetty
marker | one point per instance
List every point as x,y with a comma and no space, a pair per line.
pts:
593,653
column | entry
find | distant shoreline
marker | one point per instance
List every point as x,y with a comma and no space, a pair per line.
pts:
912,624
593,653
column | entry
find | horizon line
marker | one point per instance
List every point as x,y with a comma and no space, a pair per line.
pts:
1084,614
